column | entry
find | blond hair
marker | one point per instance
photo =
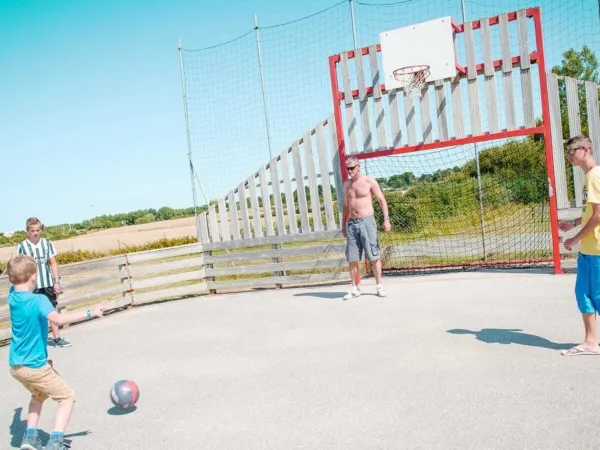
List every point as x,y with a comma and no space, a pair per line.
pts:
32,221
20,269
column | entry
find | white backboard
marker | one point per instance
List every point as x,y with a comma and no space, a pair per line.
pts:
430,43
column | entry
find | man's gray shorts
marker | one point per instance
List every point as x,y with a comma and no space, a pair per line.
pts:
362,235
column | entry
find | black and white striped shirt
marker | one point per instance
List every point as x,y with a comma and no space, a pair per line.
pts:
42,252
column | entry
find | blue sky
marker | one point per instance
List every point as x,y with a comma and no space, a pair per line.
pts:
91,111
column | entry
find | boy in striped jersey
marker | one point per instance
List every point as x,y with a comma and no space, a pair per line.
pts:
44,253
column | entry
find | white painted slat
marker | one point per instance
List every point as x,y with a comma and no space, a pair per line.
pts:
335,164
395,119
213,224
411,127
203,225
233,216
441,109
289,193
507,75
224,220
315,204
275,184
491,95
324,171
593,116
562,199
266,201
426,115
244,210
302,204
525,64
363,104
473,85
457,108
349,113
574,114
377,99
256,222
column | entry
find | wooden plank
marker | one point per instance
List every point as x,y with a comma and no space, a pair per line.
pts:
88,266
279,216
91,281
562,198
507,75
289,194
301,192
151,255
139,271
278,267
315,205
350,116
203,226
213,224
233,215
572,88
441,106
244,210
363,104
266,201
395,119
525,64
272,281
169,279
256,222
66,299
473,85
426,115
491,95
329,249
325,177
377,99
174,292
593,116
337,174
283,239
224,220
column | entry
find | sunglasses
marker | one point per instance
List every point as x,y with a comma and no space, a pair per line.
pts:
571,151
350,169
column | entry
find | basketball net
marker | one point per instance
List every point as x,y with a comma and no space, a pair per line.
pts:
412,79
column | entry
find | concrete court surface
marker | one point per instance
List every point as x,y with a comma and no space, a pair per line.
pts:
452,361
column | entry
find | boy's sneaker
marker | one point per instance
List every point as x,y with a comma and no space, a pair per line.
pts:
381,291
61,342
31,442
354,292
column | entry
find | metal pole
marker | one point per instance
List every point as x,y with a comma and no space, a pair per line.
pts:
479,187
189,142
262,85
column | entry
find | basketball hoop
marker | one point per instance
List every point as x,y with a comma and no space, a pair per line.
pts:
412,78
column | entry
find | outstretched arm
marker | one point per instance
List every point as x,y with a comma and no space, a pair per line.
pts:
376,191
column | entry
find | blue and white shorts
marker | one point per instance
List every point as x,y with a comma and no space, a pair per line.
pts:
587,284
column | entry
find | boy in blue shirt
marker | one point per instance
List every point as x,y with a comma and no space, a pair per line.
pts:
28,356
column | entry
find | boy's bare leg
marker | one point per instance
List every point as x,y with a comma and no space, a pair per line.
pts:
35,409
591,335
54,329
63,415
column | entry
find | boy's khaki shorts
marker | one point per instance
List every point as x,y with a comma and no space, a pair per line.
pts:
43,383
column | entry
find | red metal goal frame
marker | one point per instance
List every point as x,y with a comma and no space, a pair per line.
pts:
544,129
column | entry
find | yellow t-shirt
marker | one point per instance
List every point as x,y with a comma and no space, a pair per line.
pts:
590,244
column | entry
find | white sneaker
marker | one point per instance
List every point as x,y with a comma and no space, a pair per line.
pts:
381,291
353,293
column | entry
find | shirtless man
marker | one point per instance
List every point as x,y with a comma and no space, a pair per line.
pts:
359,226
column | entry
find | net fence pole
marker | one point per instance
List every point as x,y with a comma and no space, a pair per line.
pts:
189,141
262,86
478,167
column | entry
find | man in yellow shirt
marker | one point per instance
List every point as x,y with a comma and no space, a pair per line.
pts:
587,284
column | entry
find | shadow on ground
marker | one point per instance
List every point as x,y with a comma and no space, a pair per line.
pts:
116,411
18,428
512,336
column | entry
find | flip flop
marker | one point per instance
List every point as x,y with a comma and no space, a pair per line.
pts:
575,351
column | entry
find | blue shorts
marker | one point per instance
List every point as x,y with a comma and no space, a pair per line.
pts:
587,284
